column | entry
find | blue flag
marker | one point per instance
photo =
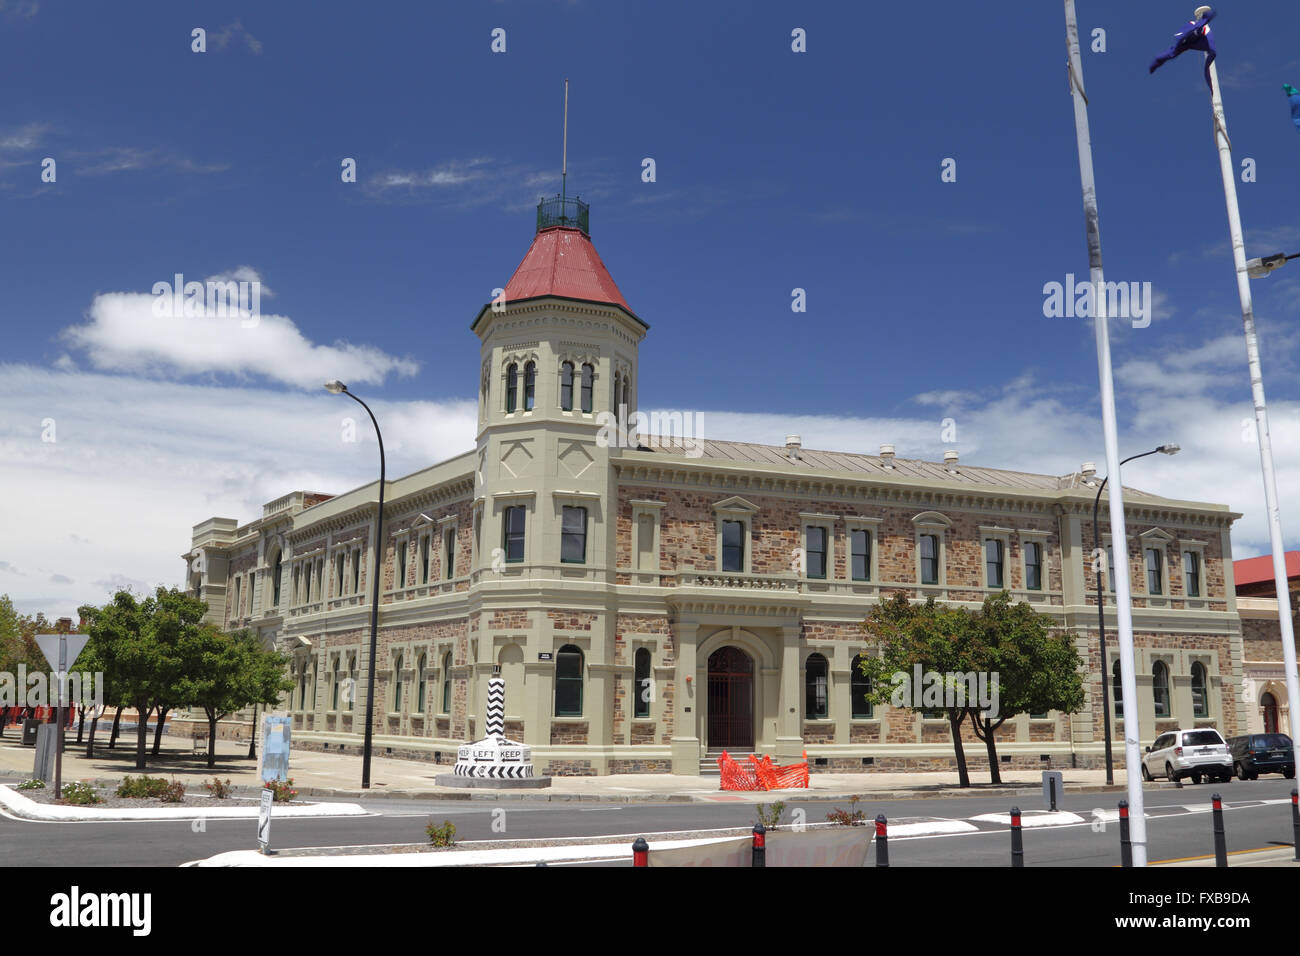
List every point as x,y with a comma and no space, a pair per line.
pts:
1195,36
1294,96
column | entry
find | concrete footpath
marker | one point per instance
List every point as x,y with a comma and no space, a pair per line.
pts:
339,775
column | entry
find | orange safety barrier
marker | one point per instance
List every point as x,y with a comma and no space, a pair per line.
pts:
764,775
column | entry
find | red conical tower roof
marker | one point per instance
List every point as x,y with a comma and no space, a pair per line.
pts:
563,262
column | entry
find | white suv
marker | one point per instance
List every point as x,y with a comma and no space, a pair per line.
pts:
1188,753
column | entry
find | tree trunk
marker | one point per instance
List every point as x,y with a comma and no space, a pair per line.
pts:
81,725
142,737
212,739
991,745
117,723
4,719
157,736
90,746
963,775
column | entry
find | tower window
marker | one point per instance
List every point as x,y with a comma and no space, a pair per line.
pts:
588,381
513,533
573,535
530,385
512,387
566,386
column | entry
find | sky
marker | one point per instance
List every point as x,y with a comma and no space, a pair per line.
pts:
775,170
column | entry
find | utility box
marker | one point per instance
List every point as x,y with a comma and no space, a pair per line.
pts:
29,732
1053,788
47,736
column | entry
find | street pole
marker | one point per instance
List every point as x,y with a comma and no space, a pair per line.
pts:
1123,600
58,738
1261,412
338,387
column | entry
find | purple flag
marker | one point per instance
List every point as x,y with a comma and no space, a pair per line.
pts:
1195,36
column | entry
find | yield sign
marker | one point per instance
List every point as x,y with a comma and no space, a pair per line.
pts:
49,645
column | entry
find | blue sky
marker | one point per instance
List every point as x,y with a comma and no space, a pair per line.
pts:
775,170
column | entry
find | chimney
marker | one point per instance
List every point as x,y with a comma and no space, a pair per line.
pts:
1087,470
792,445
887,455
950,460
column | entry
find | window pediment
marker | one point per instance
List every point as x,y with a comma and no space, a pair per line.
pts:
932,519
735,504
1156,536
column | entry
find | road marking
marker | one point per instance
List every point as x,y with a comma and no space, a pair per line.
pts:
1210,856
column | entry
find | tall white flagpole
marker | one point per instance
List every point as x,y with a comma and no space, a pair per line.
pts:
1115,499
1261,413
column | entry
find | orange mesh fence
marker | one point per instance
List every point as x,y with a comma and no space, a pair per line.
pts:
763,775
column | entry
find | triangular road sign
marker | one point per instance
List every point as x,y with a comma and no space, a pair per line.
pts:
49,645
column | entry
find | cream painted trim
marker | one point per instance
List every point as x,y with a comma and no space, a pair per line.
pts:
931,519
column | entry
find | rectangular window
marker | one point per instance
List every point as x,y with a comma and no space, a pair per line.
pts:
424,559
338,585
733,546
1155,578
402,545
1111,570
573,535
860,547
929,544
566,387
1192,573
645,542
449,554
250,594
815,551
1033,565
234,611
512,534
993,562
356,570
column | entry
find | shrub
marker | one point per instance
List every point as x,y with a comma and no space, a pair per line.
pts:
852,817
218,789
32,784
174,792
283,790
770,817
143,786
441,836
80,793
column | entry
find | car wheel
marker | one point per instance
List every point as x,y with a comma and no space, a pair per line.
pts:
1169,773
1289,772
1197,778
1241,774
1146,774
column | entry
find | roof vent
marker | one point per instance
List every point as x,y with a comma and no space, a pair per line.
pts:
1087,470
887,455
950,460
792,445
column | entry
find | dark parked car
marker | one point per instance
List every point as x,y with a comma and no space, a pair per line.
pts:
1253,754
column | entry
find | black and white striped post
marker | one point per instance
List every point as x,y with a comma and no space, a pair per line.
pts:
1017,840
1125,843
1295,822
1220,838
496,707
760,845
882,840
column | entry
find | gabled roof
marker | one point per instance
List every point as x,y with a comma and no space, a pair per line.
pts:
1259,570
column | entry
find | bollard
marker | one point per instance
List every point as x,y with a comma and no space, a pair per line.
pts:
1017,840
1220,843
640,852
1051,785
1125,844
760,846
882,840
1295,822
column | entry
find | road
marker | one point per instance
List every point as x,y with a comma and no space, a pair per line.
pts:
1179,826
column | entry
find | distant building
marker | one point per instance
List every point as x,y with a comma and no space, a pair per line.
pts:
652,600
1264,676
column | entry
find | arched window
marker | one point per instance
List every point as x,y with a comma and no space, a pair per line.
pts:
512,387
859,687
1117,691
530,385
816,696
397,684
566,386
642,685
614,399
446,683
419,686
588,382
275,582
568,682
356,570
1200,699
305,595
627,395
1160,688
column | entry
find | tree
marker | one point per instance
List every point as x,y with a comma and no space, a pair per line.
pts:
224,672
18,647
925,639
139,642
1036,669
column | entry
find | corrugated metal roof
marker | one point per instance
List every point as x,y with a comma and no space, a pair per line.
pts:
562,261
867,465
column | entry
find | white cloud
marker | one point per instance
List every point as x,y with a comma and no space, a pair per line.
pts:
123,333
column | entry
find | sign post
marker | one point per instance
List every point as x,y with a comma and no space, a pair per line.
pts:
61,650
264,821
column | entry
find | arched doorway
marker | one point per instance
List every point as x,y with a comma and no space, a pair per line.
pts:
731,699
1268,705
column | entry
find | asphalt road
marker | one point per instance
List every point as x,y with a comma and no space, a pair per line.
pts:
1173,832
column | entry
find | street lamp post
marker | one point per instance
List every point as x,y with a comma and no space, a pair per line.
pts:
1169,449
337,388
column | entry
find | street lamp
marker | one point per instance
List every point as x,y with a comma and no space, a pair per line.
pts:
1168,449
1258,268
338,388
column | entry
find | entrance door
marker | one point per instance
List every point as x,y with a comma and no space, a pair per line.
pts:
1268,703
731,699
